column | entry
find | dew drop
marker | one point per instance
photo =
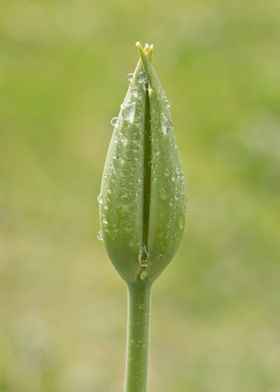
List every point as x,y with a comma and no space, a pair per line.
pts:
100,198
163,194
165,124
181,223
130,76
104,222
100,236
143,275
124,142
141,77
134,93
114,121
129,112
143,256
171,203
166,172
124,199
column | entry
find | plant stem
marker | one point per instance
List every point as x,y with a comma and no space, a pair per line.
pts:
137,349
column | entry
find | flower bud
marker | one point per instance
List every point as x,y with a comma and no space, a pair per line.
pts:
142,198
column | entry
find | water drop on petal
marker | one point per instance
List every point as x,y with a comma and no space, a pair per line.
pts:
100,198
134,93
166,172
143,257
124,199
129,112
130,76
181,223
165,124
142,77
163,194
143,275
114,121
168,104
100,236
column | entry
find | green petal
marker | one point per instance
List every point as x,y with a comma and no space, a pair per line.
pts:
121,207
167,199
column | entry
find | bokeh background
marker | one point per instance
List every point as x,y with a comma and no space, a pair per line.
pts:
216,309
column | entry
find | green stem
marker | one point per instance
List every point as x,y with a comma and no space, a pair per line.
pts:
139,294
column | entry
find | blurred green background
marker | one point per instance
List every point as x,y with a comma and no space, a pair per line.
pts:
216,309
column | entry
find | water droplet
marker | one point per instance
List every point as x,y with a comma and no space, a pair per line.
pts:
100,198
165,124
100,236
129,112
143,275
141,77
130,76
168,104
114,121
163,194
143,256
166,172
181,223
123,140
134,93
104,222
124,199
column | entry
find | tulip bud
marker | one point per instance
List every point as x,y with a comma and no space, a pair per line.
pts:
142,198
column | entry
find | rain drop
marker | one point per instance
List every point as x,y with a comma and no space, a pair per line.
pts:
134,93
114,121
143,257
142,77
100,236
104,222
124,199
143,275
165,124
129,112
100,198
130,76
171,203
163,194
181,223
166,172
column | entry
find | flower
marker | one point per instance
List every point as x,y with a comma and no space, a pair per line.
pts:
142,198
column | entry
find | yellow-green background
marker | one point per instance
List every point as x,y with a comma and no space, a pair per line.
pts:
216,309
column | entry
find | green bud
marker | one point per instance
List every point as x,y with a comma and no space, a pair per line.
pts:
142,198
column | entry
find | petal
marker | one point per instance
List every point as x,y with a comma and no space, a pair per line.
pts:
167,199
121,209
